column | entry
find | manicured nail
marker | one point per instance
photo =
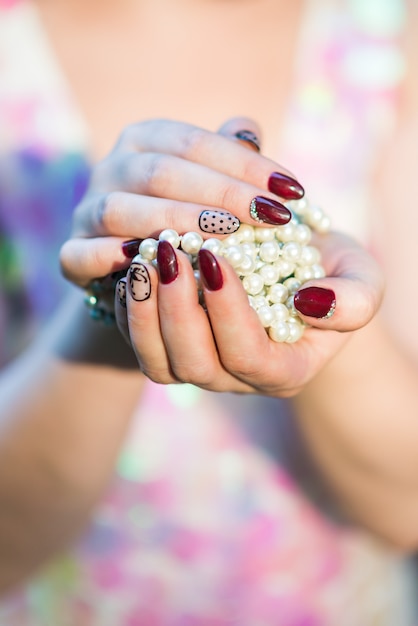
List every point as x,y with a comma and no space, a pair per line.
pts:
121,292
210,271
218,222
139,282
315,302
249,137
167,262
130,248
269,211
285,186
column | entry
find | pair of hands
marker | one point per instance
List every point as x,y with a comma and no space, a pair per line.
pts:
164,174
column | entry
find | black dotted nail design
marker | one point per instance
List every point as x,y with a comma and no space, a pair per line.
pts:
247,135
121,292
139,282
218,222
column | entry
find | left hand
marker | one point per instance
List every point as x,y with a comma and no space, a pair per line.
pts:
227,348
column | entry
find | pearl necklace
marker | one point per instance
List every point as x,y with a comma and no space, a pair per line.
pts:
272,263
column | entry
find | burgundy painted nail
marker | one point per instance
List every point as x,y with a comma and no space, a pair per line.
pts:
249,137
130,248
210,270
315,302
285,186
167,262
269,211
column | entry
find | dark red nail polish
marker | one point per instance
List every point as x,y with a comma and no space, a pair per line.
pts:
130,248
285,186
210,270
249,137
269,211
315,302
167,262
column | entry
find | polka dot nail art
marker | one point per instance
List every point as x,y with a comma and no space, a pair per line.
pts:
218,222
121,292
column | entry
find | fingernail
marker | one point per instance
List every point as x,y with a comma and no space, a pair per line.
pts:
269,211
210,271
249,137
121,292
139,282
315,302
285,186
167,262
218,222
130,248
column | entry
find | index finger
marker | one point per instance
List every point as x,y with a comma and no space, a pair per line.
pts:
212,149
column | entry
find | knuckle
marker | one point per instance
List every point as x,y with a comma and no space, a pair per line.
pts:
245,367
108,213
201,374
229,196
192,142
156,173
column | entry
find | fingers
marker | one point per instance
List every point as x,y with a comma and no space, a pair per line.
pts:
350,295
167,327
131,215
167,176
82,260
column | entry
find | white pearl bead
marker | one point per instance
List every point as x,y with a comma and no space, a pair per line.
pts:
318,271
191,242
231,240
304,273
286,232
300,206
314,215
264,234
279,331
250,248
171,236
285,267
213,245
196,275
280,311
269,274
234,255
269,251
296,331
324,224
259,301
247,266
291,251
278,293
303,234
253,284
265,315
309,255
290,304
292,284
148,249
245,233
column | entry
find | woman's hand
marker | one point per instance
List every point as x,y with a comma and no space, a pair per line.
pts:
227,348
164,174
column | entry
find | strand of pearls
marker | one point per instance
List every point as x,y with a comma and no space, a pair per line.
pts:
272,263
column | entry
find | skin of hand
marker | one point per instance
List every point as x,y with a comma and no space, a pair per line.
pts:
163,175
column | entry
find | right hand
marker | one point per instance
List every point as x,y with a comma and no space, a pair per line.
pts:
162,174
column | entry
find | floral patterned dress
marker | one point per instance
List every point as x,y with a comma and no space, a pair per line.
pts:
242,532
